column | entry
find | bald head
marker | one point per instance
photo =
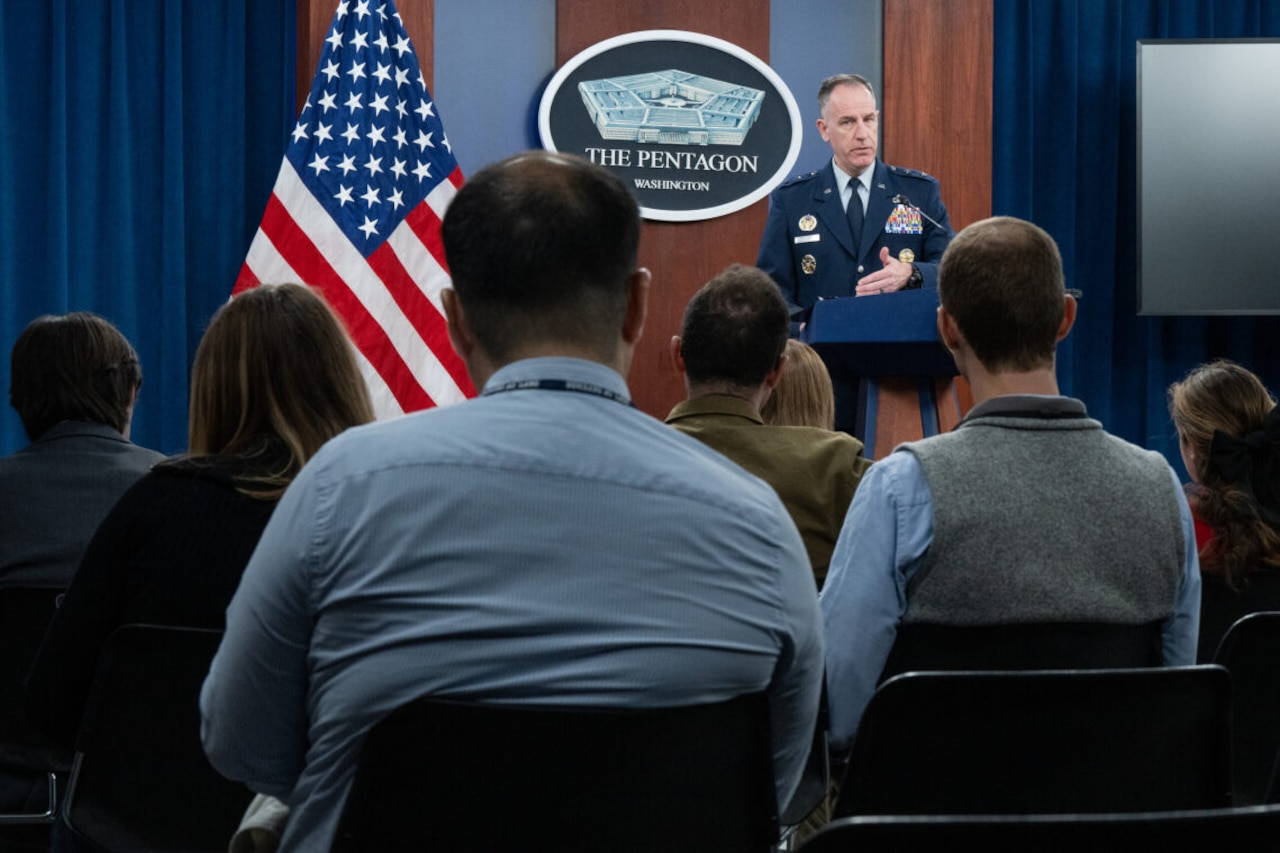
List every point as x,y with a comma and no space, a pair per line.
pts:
542,247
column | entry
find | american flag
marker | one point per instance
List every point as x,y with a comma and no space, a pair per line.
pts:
356,209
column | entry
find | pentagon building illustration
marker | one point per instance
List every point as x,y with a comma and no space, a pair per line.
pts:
672,107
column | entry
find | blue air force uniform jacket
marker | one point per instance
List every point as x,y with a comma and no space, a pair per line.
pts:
808,249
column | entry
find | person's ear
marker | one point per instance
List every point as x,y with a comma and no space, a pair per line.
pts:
459,329
1068,316
677,353
637,305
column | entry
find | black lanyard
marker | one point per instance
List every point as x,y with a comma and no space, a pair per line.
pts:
559,385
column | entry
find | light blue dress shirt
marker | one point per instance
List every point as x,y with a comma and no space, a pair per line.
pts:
886,533
537,545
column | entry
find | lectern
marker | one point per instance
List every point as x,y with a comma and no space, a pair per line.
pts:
907,386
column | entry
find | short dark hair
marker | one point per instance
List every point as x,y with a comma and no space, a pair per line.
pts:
541,247
1001,279
72,367
734,328
824,91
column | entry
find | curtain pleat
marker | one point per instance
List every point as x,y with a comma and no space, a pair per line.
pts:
1064,149
139,140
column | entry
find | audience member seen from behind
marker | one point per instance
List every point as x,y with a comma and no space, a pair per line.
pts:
731,350
803,395
1027,514
74,379
274,379
1229,433
543,543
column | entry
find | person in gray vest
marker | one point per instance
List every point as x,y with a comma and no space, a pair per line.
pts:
1029,512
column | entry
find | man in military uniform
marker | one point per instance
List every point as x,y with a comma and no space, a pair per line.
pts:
818,245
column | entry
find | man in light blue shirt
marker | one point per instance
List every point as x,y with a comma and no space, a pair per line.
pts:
545,543
1027,513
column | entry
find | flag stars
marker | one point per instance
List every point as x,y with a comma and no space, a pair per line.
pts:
402,46
422,171
402,77
401,109
381,41
329,101
397,168
375,135
383,73
343,195
424,141
400,138
362,9
356,71
444,140
331,70
320,164
374,165
353,102
348,164
370,228
424,110
299,132
371,196
342,9
396,200
322,132
361,41
379,104
335,39
351,134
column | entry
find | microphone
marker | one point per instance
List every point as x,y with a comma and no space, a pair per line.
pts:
902,199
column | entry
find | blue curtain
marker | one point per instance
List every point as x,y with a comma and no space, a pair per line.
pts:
140,142
1064,155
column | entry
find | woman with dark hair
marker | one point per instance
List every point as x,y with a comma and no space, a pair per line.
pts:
274,378
1229,434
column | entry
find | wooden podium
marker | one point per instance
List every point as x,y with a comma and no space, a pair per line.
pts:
907,383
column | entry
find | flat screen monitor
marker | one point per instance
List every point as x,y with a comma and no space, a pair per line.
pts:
1208,183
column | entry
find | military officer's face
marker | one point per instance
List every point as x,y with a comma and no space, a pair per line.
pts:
850,123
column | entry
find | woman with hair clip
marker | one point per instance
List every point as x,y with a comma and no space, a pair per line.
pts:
1229,434
274,378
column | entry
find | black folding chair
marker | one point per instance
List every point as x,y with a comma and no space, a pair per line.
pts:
140,780
29,762
456,776
1241,830
1251,652
1053,741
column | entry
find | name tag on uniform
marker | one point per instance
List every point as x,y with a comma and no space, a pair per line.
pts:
904,220
808,238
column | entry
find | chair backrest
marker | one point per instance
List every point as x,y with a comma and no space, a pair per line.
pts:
1043,741
1221,607
140,779
1251,653
25,614
1037,645
28,759
487,777
1242,830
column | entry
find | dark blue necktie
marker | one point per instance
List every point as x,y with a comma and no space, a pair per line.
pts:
855,214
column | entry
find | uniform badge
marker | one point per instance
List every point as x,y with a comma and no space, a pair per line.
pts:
807,222
906,256
808,263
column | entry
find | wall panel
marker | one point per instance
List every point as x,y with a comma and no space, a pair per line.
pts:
681,255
